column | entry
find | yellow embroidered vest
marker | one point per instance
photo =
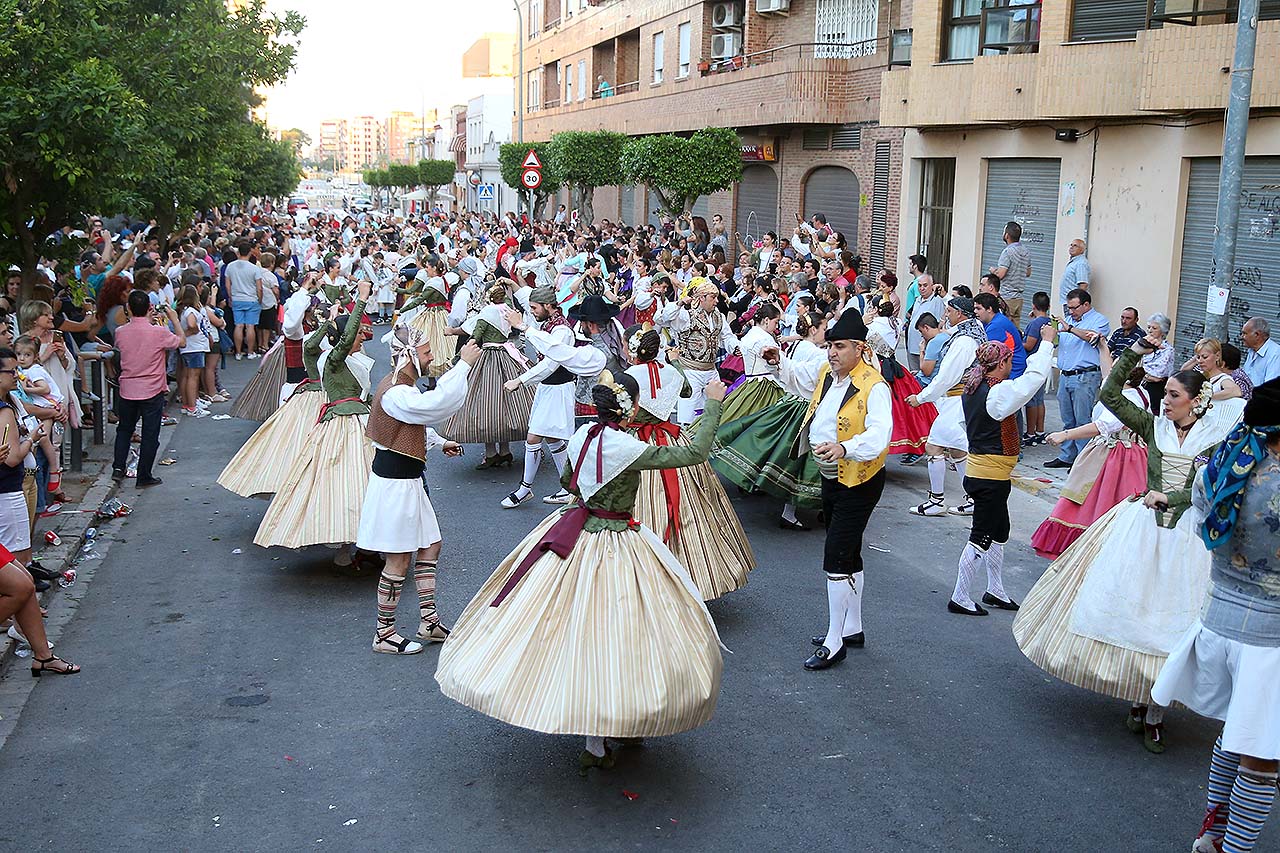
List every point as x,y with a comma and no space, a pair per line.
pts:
851,421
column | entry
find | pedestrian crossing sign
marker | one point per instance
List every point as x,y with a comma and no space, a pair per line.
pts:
484,192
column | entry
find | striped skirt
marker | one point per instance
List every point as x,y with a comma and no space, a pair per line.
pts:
611,641
319,502
709,540
261,397
264,461
492,414
432,322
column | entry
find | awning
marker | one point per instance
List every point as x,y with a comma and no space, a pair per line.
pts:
458,144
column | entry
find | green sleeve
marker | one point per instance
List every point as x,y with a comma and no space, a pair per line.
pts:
1136,418
342,349
687,391
682,457
412,303
311,349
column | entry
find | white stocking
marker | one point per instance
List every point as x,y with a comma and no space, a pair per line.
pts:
853,615
995,563
838,593
967,574
937,474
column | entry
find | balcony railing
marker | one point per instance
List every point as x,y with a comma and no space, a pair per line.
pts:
900,49
1011,26
798,50
551,23
620,89
1190,12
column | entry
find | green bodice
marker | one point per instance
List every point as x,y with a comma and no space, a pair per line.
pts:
339,381
428,296
486,333
619,494
333,292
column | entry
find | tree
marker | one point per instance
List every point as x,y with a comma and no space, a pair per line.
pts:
586,160
296,137
401,176
434,174
511,159
270,166
679,170
376,180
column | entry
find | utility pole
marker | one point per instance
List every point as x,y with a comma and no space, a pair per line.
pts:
520,84
1231,173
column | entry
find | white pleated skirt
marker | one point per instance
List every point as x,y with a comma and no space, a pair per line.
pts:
948,429
397,517
552,412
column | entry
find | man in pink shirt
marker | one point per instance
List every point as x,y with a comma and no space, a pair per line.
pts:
144,383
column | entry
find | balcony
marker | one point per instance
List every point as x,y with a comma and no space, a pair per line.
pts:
1009,27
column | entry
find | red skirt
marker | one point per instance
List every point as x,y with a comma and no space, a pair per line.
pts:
1123,475
910,426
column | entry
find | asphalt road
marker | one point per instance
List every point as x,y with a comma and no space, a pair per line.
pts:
229,701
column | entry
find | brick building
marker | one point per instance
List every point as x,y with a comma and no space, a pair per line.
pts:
1099,119
366,143
799,80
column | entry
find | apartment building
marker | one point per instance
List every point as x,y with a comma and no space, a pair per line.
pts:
366,143
409,136
1099,119
331,142
798,79
488,126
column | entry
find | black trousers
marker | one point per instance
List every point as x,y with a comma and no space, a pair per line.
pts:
847,510
129,412
990,510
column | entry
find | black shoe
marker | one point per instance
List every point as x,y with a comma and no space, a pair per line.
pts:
117,474
39,572
821,659
1057,463
791,525
41,585
856,641
952,607
154,481
998,603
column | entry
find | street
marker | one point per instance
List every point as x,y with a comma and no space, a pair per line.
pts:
229,701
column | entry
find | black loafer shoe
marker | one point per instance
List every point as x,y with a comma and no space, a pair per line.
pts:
117,474
1057,463
821,659
856,641
952,607
154,481
1000,604
40,585
791,525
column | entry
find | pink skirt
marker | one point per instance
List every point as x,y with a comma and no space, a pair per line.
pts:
1123,475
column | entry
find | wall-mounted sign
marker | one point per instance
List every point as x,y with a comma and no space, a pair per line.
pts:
766,152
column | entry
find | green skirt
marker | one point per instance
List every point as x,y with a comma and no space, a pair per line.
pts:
754,453
749,398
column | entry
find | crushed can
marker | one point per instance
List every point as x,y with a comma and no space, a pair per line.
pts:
67,579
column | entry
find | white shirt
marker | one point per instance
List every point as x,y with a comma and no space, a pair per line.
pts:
408,405
801,378
295,307
1008,396
557,347
959,358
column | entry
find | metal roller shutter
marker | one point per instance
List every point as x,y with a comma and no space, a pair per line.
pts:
1026,192
627,204
1255,291
879,208
702,207
1099,20
757,210
833,191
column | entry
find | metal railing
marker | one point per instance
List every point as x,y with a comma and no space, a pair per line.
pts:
1010,27
551,23
1190,12
796,50
620,89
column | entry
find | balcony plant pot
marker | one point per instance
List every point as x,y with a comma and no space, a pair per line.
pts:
704,66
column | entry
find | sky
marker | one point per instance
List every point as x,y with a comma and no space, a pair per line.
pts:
370,57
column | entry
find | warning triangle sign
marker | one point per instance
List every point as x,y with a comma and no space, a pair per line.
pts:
531,160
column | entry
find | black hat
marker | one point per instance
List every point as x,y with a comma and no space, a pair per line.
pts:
1263,409
526,245
594,309
849,327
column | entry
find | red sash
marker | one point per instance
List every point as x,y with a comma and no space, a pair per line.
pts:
292,353
559,539
662,435
324,410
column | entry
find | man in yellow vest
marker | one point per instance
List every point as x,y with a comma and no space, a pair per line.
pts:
847,428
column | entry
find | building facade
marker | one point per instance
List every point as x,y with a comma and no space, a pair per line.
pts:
799,80
1094,120
366,143
488,126
492,55
409,136
331,142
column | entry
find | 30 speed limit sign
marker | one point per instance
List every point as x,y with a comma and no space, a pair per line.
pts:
531,178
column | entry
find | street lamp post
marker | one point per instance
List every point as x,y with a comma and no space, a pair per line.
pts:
520,84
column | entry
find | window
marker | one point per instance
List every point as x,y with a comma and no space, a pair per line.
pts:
535,7
937,194
963,18
659,48
566,71
846,28
535,90
685,34
582,80
900,48
1010,26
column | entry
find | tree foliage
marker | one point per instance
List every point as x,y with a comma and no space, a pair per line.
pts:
586,160
511,160
679,170
434,174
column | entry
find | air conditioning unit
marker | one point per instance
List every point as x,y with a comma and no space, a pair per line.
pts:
773,7
726,45
726,16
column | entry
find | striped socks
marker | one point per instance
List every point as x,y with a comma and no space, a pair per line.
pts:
424,576
967,574
1223,767
389,587
1251,798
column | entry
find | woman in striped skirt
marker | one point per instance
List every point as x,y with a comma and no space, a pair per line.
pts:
261,396
591,626
315,506
428,310
491,415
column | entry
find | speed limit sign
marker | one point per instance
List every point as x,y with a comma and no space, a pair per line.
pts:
531,178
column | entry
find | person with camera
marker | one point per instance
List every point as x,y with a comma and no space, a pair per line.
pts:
143,343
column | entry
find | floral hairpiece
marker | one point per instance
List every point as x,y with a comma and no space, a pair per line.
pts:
1203,402
625,403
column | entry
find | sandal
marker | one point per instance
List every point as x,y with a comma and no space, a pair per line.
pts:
394,644
68,667
55,482
433,632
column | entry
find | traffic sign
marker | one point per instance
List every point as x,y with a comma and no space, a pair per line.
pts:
484,192
531,178
474,178
531,160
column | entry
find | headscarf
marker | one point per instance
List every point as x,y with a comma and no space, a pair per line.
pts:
405,340
702,288
990,356
1232,464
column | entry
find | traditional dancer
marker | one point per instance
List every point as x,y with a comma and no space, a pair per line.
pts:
297,319
491,416
595,320
687,506
551,417
911,425
700,331
606,636
265,461
847,427
316,503
948,442
754,452
757,388
397,517
1227,666
1111,468
991,403
261,395
428,311
1111,608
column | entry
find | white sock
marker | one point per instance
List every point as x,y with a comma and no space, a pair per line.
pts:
532,459
995,563
595,746
559,454
961,465
789,512
966,574
837,603
1155,714
937,474
853,615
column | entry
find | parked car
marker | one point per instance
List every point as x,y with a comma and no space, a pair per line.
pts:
296,203
360,205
